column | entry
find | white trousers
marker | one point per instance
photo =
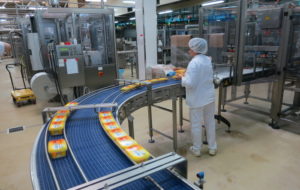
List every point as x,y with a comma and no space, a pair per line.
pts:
203,114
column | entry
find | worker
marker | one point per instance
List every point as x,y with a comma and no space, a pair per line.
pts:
4,48
200,96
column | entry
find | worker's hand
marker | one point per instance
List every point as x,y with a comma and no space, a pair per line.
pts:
180,75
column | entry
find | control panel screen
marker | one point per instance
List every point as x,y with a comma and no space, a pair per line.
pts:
64,51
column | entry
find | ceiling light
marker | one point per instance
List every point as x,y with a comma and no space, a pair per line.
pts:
129,2
2,7
132,18
96,1
37,8
212,3
165,12
116,22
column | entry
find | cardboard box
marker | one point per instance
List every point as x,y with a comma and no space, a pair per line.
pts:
216,40
180,40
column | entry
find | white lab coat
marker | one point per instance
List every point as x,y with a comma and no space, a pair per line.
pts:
198,82
200,97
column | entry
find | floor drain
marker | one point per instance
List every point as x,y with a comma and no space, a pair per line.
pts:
15,129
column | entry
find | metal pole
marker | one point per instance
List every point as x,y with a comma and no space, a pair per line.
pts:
247,92
174,98
130,119
278,84
149,91
220,100
180,115
296,102
223,98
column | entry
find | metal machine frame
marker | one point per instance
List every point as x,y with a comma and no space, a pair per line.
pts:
287,74
92,29
143,170
234,73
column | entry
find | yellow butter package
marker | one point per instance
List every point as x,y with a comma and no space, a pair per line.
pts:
63,112
57,148
125,142
137,153
110,126
72,104
105,114
162,79
108,119
117,133
58,118
56,128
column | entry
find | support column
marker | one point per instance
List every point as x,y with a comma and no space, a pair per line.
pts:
146,27
296,102
174,118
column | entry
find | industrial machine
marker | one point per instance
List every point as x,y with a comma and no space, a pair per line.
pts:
72,49
258,44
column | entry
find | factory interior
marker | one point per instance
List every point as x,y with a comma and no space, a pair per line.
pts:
150,94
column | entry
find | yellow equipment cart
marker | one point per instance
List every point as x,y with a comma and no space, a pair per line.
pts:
20,96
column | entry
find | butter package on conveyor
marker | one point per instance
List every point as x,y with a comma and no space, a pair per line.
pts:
162,79
154,80
129,87
57,148
63,112
57,128
58,118
105,114
117,133
110,126
125,142
72,104
107,119
137,153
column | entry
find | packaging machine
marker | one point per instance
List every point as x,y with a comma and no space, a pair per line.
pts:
72,49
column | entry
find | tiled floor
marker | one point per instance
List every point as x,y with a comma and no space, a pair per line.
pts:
252,156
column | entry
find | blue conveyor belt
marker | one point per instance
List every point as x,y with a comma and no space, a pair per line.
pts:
43,170
96,154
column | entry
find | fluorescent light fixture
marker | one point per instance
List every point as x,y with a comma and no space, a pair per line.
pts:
2,7
116,22
132,18
129,2
212,3
37,8
165,12
96,1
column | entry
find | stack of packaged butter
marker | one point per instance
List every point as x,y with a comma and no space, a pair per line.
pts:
136,85
58,148
131,148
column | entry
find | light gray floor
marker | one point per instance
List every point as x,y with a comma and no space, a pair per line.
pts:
253,156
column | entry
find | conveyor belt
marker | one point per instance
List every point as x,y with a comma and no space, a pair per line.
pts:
96,154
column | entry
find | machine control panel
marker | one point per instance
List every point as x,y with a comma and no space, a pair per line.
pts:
68,50
70,65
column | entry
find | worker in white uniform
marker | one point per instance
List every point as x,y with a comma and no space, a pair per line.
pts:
200,96
4,47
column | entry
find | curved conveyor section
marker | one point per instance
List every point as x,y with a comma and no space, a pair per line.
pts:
94,155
